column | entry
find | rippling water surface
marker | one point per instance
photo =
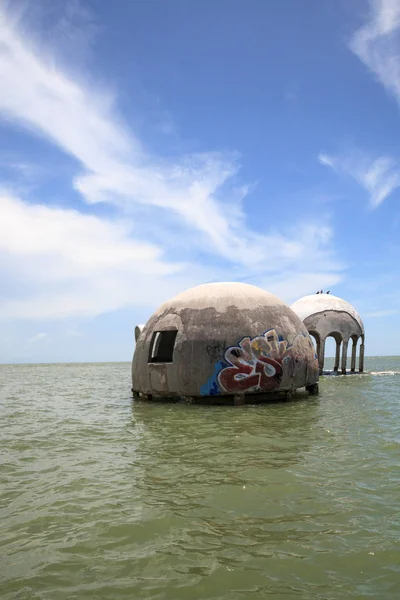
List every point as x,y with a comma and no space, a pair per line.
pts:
103,498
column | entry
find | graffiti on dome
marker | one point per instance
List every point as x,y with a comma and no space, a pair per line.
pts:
257,364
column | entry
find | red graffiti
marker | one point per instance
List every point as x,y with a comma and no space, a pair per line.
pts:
256,364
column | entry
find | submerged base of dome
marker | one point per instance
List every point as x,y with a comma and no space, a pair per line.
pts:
230,399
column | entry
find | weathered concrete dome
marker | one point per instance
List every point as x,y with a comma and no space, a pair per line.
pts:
326,315
223,339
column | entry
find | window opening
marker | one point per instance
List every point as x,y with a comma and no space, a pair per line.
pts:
162,346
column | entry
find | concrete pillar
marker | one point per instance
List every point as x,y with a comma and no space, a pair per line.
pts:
344,356
361,359
337,357
353,356
239,399
313,390
321,355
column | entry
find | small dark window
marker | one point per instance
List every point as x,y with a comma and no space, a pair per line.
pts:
162,346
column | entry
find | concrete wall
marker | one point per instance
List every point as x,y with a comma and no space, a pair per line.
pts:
337,322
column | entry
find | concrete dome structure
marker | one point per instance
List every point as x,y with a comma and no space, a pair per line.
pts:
326,316
223,341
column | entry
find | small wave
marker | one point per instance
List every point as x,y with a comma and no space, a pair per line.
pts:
379,373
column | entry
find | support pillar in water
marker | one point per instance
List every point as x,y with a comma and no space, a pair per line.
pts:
353,356
361,359
337,356
344,356
321,355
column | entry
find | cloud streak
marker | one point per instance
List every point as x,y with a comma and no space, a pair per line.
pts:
376,314
68,263
379,177
376,44
63,262
39,337
84,123
116,169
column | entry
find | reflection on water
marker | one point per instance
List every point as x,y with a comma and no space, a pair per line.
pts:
105,498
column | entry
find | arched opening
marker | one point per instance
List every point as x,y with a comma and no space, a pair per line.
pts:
316,340
319,346
333,347
349,354
330,352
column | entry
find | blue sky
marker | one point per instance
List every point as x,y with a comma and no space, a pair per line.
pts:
146,147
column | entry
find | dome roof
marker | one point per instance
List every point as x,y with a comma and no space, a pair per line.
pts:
222,295
317,303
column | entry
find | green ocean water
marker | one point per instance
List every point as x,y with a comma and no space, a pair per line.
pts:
105,498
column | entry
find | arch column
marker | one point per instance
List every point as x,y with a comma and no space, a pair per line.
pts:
318,343
361,359
353,356
344,356
321,355
337,356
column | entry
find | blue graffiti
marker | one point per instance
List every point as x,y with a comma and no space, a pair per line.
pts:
211,387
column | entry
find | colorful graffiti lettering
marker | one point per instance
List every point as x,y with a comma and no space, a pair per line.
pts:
255,364
259,364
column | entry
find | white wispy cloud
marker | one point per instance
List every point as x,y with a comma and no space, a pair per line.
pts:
376,43
83,122
73,333
295,285
68,263
378,176
39,337
381,313
116,168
